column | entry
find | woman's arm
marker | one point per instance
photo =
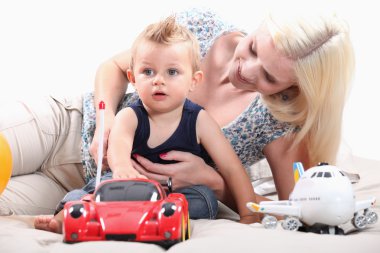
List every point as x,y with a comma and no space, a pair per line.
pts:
110,86
281,156
111,80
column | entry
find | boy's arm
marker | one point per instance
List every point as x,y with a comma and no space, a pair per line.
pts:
120,145
228,164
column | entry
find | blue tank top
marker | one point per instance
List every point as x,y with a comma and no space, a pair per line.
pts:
184,137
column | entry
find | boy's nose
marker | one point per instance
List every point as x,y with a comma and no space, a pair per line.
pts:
158,80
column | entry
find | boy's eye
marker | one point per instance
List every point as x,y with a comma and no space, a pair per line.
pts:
148,72
172,72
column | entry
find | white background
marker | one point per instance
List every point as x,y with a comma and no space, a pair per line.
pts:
56,46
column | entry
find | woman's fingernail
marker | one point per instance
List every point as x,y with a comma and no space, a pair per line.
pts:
163,155
135,156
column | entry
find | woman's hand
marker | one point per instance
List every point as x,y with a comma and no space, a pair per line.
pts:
95,144
251,218
189,170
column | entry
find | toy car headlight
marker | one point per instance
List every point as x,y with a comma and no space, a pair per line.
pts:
168,209
76,210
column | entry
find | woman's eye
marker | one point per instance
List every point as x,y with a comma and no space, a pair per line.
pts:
148,72
172,72
269,78
252,49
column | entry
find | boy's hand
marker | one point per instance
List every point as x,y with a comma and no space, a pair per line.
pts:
126,173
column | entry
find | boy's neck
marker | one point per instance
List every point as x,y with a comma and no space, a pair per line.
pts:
162,125
164,118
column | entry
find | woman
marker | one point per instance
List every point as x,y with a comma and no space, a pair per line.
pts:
277,93
298,72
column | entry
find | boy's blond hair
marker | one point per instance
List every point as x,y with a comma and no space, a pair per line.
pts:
168,32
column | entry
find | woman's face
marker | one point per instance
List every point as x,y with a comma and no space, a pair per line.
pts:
258,66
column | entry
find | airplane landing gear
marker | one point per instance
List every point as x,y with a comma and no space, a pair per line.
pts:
269,222
371,216
291,223
360,221
332,230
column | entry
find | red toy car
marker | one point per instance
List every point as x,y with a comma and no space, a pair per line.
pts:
128,210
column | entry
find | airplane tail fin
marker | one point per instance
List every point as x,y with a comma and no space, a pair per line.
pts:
297,170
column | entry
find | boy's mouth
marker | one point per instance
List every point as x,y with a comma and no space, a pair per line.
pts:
159,95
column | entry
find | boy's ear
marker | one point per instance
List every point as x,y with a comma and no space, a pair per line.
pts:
197,78
130,76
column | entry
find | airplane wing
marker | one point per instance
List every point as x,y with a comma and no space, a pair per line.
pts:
364,204
275,208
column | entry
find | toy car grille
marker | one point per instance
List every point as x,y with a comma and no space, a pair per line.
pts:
121,237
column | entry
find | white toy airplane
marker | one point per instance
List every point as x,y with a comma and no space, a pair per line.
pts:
322,199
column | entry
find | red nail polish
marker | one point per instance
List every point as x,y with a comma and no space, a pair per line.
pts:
135,156
163,155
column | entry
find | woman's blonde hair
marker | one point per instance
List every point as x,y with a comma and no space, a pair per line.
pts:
168,32
324,64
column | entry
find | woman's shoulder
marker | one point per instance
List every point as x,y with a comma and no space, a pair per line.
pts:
252,130
257,126
261,115
206,25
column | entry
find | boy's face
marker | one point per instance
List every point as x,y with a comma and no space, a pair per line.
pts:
163,75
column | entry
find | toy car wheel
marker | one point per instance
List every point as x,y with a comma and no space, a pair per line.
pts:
291,223
269,222
371,217
183,229
359,221
188,228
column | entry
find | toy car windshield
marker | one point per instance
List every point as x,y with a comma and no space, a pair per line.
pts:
127,191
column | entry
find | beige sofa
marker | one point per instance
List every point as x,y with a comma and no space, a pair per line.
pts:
221,235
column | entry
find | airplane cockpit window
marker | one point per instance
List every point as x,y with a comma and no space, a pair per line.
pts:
320,174
327,174
342,173
315,173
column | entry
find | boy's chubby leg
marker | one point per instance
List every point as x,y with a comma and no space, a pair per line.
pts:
49,223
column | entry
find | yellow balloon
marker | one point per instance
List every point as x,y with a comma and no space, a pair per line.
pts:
5,163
